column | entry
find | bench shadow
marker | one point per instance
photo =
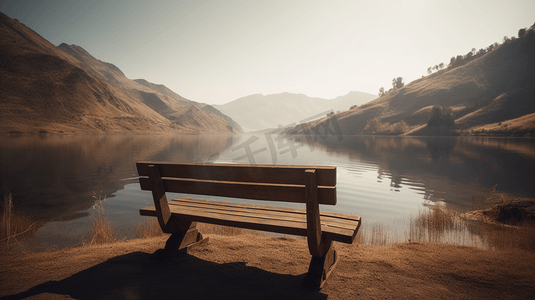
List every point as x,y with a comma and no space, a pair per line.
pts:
140,275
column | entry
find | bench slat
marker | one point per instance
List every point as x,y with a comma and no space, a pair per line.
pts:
277,174
272,215
245,190
339,216
280,220
263,211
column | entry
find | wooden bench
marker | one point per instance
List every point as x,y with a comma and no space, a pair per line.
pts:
312,185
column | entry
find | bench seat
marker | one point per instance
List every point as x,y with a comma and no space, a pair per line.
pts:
335,226
308,185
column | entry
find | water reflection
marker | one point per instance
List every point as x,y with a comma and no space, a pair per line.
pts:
382,179
450,169
55,177
440,148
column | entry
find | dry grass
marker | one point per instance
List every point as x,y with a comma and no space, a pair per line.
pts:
376,234
148,228
434,225
440,225
508,221
101,230
14,225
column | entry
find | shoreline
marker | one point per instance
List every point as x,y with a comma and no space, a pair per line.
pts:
482,229
497,134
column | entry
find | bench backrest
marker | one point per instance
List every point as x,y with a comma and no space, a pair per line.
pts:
259,182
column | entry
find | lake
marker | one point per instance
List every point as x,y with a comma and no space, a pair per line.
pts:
385,180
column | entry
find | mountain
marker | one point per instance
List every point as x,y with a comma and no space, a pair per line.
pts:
257,112
205,107
492,94
66,90
162,89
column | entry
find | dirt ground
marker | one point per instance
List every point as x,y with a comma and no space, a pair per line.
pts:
254,267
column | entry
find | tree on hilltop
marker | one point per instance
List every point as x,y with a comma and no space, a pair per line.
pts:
397,83
452,62
470,54
521,32
382,92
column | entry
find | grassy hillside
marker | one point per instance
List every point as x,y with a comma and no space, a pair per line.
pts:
493,94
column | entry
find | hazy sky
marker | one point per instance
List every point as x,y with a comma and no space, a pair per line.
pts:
218,51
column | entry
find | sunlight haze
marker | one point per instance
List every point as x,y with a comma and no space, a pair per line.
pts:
218,51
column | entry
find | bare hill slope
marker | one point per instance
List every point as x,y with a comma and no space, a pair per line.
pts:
185,115
162,89
65,90
207,109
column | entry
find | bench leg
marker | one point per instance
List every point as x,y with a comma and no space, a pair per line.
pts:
320,269
188,236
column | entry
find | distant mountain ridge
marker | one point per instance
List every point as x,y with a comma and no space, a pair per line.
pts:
49,89
257,112
493,94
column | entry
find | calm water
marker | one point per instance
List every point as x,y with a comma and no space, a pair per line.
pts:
384,180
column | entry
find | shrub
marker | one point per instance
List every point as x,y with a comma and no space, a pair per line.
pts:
101,230
441,117
13,224
375,126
